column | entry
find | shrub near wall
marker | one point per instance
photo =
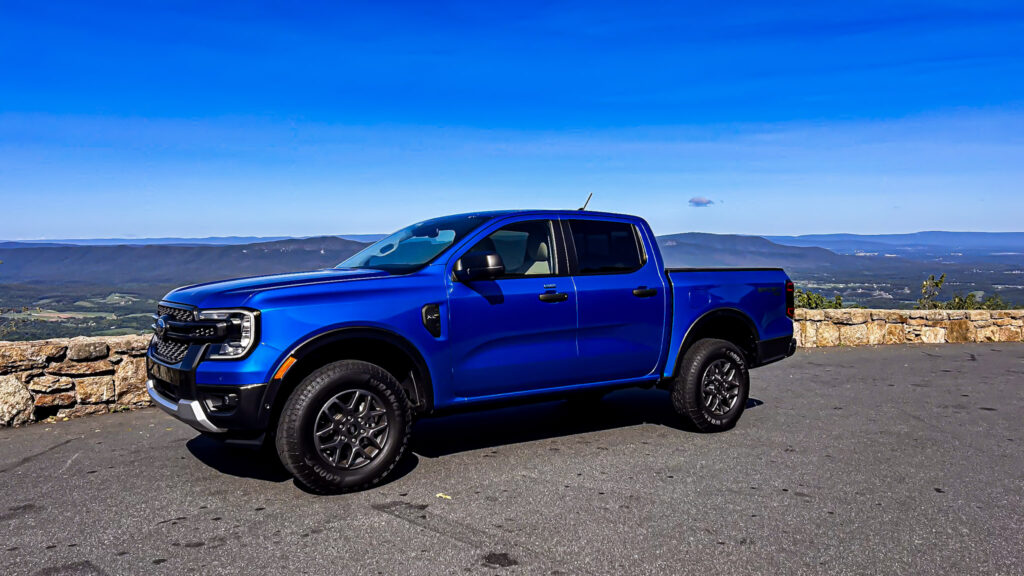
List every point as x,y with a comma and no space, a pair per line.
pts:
71,377
859,327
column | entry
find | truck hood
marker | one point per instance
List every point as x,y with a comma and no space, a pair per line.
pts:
235,292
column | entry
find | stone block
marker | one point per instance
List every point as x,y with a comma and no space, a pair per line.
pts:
809,335
1009,334
848,316
828,334
82,349
55,400
816,315
876,332
95,389
933,335
853,334
975,315
16,404
82,410
19,356
988,334
895,334
961,331
72,368
130,382
130,345
50,384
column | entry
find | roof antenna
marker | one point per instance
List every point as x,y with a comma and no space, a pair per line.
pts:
584,207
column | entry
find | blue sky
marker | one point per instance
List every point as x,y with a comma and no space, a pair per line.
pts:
212,119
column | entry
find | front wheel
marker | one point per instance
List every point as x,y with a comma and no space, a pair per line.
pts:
344,428
712,387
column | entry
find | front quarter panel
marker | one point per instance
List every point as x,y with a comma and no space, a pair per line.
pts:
294,315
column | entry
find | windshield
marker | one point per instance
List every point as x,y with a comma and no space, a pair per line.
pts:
413,247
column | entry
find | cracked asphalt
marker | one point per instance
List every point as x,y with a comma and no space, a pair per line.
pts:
894,460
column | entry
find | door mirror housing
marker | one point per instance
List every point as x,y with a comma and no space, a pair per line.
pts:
479,266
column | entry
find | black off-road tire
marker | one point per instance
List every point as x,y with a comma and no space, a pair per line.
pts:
688,396
295,441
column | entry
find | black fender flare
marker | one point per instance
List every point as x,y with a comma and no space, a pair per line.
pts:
706,319
424,388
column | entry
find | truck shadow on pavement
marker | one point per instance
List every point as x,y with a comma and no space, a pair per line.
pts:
261,464
436,437
461,432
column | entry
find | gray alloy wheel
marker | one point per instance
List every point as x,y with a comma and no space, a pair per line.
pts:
720,386
351,429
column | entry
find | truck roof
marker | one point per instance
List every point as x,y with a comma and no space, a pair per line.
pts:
566,213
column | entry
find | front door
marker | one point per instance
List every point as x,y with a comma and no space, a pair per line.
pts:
516,333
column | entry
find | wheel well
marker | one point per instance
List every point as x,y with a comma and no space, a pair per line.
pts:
730,325
389,352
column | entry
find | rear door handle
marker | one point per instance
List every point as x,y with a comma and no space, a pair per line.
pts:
553,297
644,292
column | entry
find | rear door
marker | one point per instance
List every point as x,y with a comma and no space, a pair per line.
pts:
516,333
622,299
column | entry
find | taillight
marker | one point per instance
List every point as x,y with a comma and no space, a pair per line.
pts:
790,299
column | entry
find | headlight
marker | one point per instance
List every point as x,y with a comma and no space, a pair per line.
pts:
241,333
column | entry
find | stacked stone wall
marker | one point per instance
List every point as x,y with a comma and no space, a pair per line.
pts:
57,379
861,327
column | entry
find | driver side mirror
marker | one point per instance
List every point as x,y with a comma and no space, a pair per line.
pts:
479,266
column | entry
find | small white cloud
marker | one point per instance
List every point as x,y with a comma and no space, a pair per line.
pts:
700,202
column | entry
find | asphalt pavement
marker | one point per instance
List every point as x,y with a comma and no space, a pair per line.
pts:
887,460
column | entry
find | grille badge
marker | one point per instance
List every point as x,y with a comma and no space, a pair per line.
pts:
160,327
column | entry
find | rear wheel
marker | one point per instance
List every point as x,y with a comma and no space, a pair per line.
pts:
344,428
713,385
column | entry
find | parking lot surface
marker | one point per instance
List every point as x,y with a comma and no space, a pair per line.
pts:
894,460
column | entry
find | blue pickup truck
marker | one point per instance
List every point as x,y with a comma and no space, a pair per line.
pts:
330,368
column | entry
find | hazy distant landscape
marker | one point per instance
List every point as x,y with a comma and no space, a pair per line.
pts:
110,286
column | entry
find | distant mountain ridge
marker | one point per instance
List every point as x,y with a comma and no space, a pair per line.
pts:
172,241
935,245
169,264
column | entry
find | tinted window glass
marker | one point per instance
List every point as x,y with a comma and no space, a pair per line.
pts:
525,248
411,248
605,247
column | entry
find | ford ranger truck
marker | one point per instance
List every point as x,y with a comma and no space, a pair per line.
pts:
330,368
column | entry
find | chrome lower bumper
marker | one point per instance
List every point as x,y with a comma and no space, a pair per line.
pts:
188,411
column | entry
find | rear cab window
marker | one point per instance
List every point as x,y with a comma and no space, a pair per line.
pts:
606,247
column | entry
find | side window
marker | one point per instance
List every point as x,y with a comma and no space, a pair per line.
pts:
606,247
525,248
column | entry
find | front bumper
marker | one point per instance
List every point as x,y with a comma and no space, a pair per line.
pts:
174,389
189,411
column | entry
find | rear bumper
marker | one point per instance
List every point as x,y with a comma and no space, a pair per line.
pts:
776,349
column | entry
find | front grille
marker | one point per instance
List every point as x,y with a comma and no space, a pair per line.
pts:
166,349
179,314
170,351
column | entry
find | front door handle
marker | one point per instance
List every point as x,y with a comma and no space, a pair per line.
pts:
553,297
644,292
